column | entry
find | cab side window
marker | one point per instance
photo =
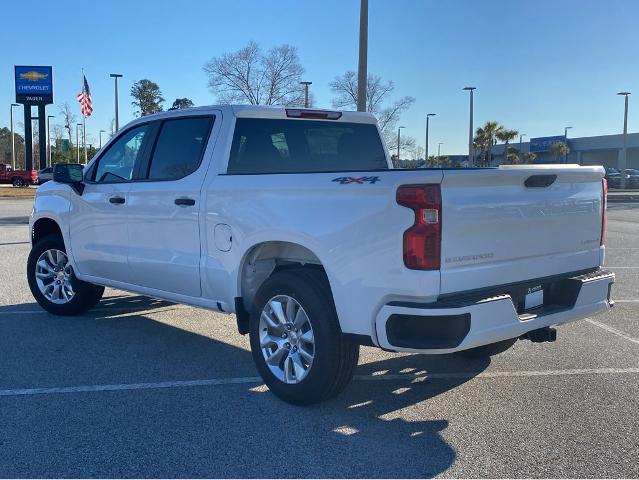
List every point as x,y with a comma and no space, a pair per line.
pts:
118,162
179,148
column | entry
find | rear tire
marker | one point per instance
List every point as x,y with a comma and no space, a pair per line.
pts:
333,358
489,350
53,283
18,182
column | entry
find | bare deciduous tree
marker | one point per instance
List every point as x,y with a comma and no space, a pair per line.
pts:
57,132
377,101
69,118
252,76
406,147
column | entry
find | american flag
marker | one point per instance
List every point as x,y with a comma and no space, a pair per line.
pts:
84,97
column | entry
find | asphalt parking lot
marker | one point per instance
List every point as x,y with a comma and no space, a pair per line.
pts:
144,388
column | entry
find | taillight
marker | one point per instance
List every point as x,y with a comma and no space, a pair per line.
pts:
604,204
34,175
422,241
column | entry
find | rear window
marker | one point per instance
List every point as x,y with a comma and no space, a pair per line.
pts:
298,146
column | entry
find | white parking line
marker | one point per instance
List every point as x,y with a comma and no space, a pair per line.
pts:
525,373
246,380
128,386
115,311
613,330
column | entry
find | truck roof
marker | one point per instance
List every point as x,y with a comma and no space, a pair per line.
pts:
263,111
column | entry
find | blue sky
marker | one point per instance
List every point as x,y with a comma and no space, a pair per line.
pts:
538,65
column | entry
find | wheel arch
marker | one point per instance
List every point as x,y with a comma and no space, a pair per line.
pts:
45,226
259,262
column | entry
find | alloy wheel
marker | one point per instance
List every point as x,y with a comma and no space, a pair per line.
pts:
54,276
286,339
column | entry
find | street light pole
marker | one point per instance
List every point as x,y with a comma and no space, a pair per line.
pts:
521,154
399,139
439,154
306,84
49,117
101,132
362,67
13,138
117,118
77,139
624,155
566,142
428,115
471,150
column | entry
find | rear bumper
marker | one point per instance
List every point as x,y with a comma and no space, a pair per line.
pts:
466,322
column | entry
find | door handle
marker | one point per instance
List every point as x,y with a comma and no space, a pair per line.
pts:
118,200
184,201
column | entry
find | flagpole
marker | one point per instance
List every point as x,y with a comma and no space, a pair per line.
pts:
84,137
84,126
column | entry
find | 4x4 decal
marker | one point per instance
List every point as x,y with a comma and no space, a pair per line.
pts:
360,180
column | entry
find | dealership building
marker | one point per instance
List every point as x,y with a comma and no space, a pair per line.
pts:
606,150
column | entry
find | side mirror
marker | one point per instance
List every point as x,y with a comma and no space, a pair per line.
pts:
71,174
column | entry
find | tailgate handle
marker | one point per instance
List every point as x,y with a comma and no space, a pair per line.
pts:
540,181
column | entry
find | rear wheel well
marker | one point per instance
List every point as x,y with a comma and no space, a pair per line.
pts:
44,227
260,263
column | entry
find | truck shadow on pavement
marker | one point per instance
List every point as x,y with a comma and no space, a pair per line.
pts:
375,428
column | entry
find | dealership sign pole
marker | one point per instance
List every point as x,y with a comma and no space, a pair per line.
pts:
34,87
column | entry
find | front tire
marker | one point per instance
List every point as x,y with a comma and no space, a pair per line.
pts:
53,283
296,341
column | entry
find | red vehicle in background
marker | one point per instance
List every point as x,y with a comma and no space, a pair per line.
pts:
18,178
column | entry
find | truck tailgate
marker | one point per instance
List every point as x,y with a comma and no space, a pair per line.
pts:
508,224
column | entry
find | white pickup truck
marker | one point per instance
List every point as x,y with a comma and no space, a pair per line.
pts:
295,221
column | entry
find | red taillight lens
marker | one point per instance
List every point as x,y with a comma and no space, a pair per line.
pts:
422,241
34,174
604,204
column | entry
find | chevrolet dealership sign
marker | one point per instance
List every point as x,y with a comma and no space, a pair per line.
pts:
34,85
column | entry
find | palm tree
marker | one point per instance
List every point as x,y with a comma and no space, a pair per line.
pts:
505,135
529,157
485,138
559,150
513,157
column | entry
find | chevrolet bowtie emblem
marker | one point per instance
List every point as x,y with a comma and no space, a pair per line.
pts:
34,76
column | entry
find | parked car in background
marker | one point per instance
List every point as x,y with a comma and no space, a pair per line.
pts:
45,175
613,176
633,178
18,178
